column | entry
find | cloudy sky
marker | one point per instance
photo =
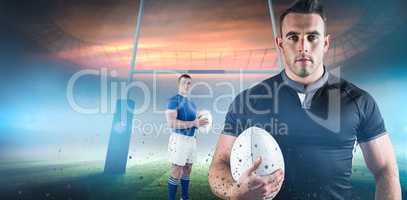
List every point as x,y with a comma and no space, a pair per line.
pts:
209,34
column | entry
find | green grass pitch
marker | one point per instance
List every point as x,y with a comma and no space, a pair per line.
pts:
142,181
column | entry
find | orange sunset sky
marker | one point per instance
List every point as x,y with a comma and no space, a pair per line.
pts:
177,34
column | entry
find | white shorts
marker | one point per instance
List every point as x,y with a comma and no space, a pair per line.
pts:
182,149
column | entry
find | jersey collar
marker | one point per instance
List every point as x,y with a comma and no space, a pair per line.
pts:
310,88
305,92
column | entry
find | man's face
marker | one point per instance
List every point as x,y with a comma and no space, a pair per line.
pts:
184,85
303,43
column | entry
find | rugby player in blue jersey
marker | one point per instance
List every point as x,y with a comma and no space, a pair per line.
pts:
182,117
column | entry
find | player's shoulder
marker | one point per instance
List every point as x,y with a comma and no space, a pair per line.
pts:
175,100
264,87
175,97
348,88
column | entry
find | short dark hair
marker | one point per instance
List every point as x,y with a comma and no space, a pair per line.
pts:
303,7
184,76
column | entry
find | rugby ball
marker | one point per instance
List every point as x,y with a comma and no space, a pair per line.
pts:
205,114
249,146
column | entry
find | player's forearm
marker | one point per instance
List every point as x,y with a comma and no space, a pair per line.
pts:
182,124
220,180
388,185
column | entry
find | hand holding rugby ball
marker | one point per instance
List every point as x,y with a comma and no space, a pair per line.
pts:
205,114
253,143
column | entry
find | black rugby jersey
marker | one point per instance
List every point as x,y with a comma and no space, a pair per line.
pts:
317,138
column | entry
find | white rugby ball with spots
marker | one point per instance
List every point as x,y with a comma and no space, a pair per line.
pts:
249,146
205,114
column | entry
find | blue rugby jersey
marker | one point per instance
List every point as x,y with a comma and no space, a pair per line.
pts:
186,111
